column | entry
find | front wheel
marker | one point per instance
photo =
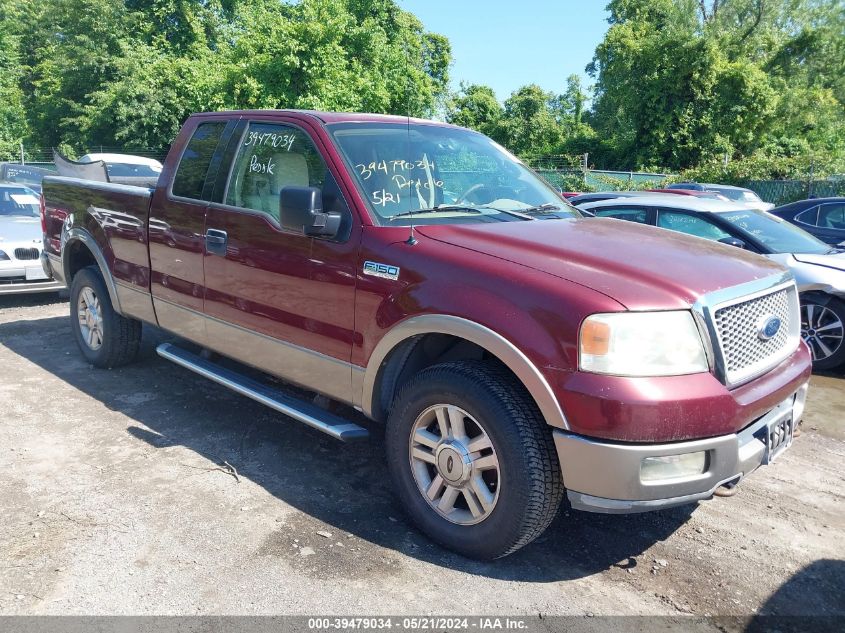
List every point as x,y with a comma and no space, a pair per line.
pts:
106,338
472,459
823,330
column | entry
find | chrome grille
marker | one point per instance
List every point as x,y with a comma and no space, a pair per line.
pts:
26,253
745,353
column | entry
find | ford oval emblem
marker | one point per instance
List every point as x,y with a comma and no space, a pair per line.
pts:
768,326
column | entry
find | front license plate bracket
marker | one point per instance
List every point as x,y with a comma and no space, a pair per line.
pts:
779,436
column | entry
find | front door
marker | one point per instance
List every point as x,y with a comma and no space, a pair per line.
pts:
280,301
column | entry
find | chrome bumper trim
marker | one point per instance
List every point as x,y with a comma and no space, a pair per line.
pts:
30,287
589,503
605,477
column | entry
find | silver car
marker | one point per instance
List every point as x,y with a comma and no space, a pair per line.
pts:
21,243
819,269
741,195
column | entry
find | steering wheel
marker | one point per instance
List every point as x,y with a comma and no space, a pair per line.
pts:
461,198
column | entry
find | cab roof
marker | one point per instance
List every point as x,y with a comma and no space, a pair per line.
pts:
334,117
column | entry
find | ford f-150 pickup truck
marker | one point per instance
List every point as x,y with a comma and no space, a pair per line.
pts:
516,352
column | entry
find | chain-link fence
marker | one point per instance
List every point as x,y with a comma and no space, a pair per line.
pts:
39,155
780,192
572,173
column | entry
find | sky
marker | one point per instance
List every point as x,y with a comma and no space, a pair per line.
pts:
506,44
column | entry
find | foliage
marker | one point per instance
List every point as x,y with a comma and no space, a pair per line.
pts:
681,83
127,72
13,125
728,90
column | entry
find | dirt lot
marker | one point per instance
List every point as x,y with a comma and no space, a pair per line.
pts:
111,504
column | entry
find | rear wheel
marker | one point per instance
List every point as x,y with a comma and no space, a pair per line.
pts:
105,338
472,459
823,330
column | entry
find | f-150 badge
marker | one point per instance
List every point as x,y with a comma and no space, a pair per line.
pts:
381,270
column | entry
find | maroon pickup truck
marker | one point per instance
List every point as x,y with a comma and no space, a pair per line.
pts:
516,352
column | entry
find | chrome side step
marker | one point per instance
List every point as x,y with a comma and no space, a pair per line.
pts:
299,410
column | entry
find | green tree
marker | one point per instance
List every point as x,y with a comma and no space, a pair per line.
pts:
337,55
13,126
680,82
528,125
127,72
476,107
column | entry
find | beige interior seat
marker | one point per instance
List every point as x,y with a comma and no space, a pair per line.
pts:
261,191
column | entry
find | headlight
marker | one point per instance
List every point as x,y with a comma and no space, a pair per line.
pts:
4,257
642,344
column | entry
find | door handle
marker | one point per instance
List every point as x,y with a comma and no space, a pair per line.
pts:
216,242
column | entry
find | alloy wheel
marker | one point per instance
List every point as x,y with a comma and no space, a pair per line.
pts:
822,330
90,316
455,465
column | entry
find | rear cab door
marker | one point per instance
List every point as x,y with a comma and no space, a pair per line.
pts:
177,223
281,301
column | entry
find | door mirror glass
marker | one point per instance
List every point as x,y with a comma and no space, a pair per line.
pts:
733,241
301,211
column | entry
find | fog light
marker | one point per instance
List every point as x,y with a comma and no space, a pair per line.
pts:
673,466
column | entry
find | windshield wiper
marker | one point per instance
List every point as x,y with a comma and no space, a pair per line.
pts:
446,208
541,208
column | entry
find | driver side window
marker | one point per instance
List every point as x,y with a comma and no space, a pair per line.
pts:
271,157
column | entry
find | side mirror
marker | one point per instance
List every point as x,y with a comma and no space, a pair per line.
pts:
301,211
732,241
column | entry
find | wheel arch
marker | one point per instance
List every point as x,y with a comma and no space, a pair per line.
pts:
399,355
80,250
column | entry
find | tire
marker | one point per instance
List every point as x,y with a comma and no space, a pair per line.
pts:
115,338
520,496
826,345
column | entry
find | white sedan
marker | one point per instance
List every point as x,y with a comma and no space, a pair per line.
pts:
21,243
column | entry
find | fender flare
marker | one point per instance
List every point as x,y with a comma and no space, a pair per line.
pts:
76,234
497,345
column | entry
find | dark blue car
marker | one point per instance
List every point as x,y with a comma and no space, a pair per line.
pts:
822,217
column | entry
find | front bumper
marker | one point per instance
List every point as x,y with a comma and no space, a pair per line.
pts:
607,477
26,276
30,287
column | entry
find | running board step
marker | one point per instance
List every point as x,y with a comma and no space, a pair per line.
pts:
300,410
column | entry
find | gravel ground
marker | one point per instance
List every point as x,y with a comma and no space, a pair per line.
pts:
112,502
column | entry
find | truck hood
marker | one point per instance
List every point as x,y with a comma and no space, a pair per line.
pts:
837,261
641,267
19,228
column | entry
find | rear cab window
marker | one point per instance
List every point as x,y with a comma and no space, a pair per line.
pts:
191,180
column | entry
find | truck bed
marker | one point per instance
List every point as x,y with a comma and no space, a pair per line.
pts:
116,217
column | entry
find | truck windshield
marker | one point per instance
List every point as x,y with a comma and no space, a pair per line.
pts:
448,175
777,235
20,201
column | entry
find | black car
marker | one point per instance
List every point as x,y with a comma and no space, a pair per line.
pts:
823,217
